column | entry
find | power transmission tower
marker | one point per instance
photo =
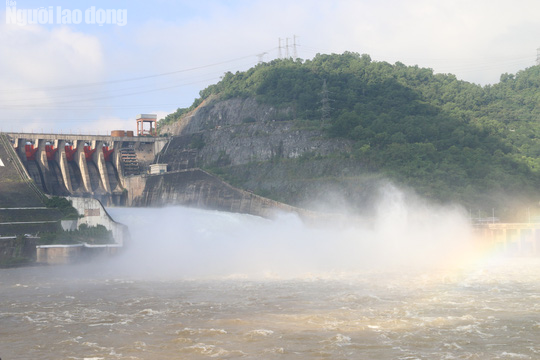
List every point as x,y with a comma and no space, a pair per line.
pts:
260,57
295,54
325,101
287,46
538,56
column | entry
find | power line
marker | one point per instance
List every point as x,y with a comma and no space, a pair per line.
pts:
75,95
105,94
103,97
71,86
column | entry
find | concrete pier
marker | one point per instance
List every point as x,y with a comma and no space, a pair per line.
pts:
72,254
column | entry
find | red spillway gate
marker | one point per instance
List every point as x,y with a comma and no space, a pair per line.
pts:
50,151
70,151
30,152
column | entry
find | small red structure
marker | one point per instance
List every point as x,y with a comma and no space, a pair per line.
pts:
50,151
70,151
149,119
30,152
107,153
88,152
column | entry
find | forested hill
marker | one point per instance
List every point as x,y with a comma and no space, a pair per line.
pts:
448,139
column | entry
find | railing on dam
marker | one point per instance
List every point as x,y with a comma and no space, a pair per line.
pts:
84,165
80,137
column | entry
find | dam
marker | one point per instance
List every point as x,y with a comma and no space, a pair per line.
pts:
122,169
85,165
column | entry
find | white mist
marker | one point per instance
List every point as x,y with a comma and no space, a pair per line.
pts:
183,242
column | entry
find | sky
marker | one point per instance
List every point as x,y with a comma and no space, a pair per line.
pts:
72,69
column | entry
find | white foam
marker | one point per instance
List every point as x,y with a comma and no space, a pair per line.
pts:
260,332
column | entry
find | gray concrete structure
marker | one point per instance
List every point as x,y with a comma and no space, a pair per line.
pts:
518,239
85,165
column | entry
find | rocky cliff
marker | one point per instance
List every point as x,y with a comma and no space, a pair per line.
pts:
262,149
227,134
239,131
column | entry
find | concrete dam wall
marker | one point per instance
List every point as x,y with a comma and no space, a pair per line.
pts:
114,170
84,165
24,216
197,188
22,209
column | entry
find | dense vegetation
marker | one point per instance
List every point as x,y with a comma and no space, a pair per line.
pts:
449,139
64,206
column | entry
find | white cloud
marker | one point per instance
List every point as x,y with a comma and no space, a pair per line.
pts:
35,61
477,40
35,56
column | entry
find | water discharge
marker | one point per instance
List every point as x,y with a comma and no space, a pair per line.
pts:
404,283
187,243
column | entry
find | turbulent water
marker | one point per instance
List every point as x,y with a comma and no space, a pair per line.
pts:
199,285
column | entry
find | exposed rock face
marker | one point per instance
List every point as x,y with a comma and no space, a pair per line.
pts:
239,131
228,133
213,113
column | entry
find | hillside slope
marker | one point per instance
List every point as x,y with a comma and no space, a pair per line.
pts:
341,124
